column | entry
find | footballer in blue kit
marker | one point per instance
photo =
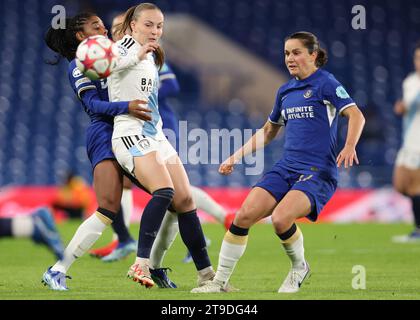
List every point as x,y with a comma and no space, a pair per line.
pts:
305,178
308,109
169,87
107,174
94,98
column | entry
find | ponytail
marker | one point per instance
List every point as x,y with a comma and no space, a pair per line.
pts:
64,41
322,58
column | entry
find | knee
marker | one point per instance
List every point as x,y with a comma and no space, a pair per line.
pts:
281,223
183,202
110,203
244,217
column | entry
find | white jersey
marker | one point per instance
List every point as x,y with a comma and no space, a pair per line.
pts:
135,80
411,120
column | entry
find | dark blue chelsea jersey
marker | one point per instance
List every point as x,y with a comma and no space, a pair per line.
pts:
309,110
95,102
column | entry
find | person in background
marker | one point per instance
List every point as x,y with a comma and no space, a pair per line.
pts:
39,226
406,177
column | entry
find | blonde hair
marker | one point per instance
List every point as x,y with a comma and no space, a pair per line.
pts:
132,14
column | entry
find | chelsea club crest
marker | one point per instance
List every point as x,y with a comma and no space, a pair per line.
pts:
308,94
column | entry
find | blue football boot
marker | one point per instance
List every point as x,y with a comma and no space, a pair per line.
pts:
55,280
160,277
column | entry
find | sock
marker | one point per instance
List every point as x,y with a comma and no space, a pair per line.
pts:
142,261
415,200
207,204
127,205
86,235
151,220
233,247
193,237
292,241
6,227
120,229
22,226
164,239
127,210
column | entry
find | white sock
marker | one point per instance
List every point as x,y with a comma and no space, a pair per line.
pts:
84,238
206,203
127,209
233,247
142,261
295,250
164,239
22,226
127,205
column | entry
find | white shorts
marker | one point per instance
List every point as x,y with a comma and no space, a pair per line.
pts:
127,148
408,158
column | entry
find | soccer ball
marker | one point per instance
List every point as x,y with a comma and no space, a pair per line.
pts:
96,57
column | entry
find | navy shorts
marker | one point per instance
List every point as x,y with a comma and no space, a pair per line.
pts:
319,189
98,143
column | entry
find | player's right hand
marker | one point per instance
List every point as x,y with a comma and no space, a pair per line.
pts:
145,49
226,167
135,109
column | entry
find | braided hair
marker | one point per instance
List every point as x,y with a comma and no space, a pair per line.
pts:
64,41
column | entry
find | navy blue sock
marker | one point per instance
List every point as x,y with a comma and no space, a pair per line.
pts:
151,220
193,237
120,229
5,227
416,210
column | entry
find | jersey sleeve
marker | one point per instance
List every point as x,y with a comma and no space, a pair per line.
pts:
168,84
125,62
275,115
93,102
334,93
78,81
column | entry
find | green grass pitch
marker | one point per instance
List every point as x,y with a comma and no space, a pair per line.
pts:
392,270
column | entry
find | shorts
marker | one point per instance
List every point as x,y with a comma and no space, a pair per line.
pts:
127,148
279,181
98,143
409,159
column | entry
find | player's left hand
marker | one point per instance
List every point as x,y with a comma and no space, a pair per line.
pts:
348,155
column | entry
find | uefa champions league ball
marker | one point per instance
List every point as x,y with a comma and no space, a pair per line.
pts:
96,57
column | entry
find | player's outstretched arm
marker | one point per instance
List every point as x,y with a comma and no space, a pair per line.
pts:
136,108
259,140
355,127
125,62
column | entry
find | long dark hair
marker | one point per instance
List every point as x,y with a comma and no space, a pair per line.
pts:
64,41
310,42
132,14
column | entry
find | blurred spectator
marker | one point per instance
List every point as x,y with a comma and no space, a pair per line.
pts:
73,197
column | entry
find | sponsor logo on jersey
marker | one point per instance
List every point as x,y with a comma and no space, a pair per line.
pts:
308,94
123,50
342,93
104,84
77,73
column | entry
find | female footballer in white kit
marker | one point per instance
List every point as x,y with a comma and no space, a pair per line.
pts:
407,165
142,149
